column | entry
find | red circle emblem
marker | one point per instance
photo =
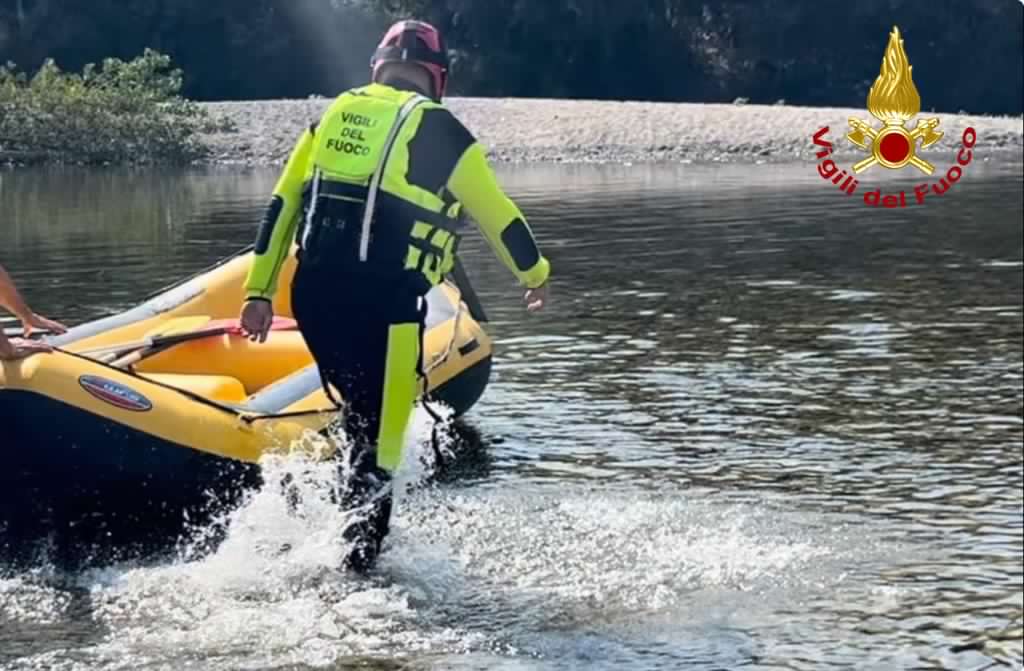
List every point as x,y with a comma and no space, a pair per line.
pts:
894,148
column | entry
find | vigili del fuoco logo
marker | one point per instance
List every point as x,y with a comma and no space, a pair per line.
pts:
894,100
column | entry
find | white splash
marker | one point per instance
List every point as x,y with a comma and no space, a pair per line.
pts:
273,590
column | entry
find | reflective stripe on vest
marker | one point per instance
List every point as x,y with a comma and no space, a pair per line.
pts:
371,203
431,251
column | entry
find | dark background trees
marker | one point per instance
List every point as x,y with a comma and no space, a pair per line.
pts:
966,55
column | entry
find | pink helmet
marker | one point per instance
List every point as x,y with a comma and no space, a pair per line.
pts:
414,42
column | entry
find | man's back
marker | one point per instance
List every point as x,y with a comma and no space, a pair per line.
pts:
434,170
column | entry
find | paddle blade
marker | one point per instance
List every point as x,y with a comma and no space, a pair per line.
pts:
284,324
234,326
179,325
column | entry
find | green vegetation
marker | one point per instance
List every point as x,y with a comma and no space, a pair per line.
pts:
120,112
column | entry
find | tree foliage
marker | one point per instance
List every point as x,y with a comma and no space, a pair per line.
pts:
966,55
119,112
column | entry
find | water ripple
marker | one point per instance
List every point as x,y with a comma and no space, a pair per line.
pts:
757,428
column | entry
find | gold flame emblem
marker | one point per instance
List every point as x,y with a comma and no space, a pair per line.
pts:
894,100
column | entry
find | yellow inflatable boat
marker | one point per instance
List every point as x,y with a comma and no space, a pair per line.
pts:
143,418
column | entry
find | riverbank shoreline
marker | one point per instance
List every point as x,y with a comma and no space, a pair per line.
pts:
527,130
261,133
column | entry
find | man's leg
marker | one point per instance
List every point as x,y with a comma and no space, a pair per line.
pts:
377,420
371,361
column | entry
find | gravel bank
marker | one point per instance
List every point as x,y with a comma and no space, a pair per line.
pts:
540,130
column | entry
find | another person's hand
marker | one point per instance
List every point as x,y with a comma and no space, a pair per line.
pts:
34,321
536,298
257,316
17,348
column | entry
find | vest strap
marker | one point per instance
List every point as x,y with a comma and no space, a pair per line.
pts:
371,202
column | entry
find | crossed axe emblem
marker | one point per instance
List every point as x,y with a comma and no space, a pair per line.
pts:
869,139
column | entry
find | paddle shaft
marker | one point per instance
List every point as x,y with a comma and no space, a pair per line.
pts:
160,344
179,334
156,341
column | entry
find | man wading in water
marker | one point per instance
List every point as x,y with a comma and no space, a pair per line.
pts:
379,183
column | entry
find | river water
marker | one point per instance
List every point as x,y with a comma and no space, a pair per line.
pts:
760,426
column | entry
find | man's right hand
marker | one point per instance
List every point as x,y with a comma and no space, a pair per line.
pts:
17,348
257,316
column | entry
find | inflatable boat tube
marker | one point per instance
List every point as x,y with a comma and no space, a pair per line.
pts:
95,441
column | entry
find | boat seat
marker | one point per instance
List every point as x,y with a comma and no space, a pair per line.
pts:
214,387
